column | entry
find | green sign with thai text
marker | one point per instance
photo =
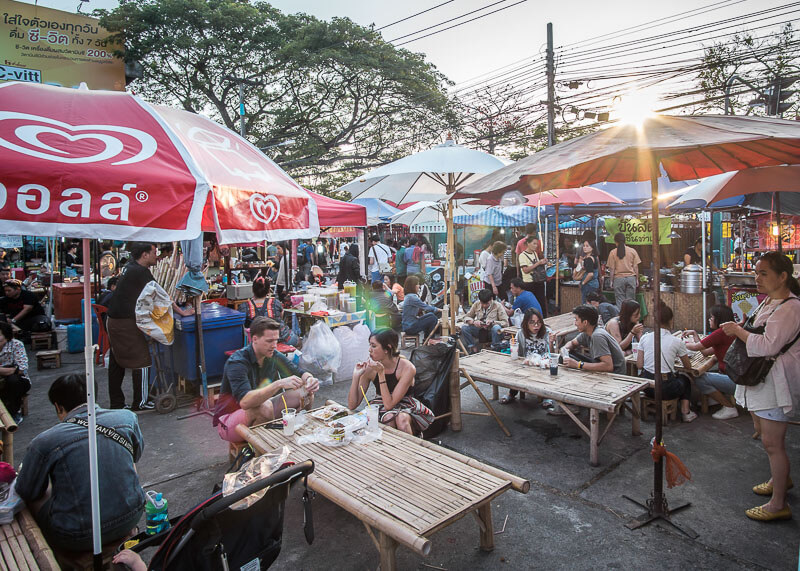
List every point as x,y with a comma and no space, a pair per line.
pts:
639,232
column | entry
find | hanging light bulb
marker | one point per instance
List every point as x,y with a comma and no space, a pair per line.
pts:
513,198
673,235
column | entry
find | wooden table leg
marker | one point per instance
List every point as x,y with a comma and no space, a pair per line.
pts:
388,552
487,529
455,394
636,401
486,403
594,429
495,392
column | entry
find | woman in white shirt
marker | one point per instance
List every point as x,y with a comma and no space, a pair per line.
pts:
673,386
773,400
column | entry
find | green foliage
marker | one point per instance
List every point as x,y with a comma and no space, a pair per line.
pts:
757,60
348,99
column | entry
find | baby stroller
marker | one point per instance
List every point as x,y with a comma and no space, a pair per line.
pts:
213,537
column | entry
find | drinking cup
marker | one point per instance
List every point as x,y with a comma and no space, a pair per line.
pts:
372,418
635,348
289,416
554,364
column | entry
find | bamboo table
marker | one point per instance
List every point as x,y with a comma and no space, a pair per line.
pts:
7,429
22,545
599,392
562,325
402,488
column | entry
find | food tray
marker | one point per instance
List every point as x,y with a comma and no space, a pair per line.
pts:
324,414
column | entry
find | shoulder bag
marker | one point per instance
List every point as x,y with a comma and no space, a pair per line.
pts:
579,271
539,272
750,371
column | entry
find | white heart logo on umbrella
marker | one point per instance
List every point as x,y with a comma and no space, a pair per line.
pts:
112,145
265,207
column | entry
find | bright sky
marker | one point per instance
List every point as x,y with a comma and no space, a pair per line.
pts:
518,32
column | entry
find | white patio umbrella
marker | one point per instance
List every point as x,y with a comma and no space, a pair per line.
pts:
432,175
428,212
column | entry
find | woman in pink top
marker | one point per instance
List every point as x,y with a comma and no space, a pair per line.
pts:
779,395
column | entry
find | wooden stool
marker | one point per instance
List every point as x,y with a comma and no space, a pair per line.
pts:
48,359
84,561
233,450
41,341
213,393
405,340
704,404
25,405
669,408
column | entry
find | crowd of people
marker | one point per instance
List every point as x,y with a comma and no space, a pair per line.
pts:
259,381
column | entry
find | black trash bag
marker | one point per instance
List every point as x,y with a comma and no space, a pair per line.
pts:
432,385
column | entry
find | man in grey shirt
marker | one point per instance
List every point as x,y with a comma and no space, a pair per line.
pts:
602,346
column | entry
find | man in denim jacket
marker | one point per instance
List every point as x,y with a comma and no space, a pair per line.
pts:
54,476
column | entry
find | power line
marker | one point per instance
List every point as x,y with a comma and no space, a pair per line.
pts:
465,22
447,21
413,15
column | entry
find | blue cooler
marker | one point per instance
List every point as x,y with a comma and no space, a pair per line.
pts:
223,330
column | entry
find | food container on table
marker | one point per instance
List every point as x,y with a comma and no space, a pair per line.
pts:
297,300
351,306
350,288
740,279
343,297
329,295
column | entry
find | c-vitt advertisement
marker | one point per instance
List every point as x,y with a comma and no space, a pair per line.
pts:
42,45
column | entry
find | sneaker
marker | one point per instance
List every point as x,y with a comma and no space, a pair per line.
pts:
149,405
18,418
689,416
725,413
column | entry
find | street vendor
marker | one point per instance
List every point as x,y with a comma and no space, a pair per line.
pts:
694,255
258,380
393,378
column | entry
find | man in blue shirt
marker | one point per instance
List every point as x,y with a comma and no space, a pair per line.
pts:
257,380
523,299
54,480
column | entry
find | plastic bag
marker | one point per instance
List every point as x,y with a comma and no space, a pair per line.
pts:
321,352
10,502
346,339
516,319
252,471
154,314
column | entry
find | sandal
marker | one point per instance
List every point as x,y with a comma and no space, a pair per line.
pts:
765,489
508,399
760,514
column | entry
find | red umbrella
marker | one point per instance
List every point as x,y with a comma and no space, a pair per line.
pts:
686,148
102,164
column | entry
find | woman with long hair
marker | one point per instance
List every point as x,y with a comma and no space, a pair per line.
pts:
14,381
533,270
533,337
778,396
718,386
591,267
623,264
625,328
262,305
393,378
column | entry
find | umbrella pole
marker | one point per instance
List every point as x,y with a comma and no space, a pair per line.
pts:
451,273
558,263
88,355
656,506
704,289
777,196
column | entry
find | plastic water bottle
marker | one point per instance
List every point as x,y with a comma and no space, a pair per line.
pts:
156,513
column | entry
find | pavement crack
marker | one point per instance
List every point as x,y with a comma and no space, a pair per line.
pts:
171,477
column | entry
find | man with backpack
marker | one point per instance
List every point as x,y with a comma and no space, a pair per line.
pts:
379,256
305,259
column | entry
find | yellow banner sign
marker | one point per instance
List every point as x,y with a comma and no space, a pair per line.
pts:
42,45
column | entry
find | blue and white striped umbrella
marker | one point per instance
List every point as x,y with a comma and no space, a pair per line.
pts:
506,217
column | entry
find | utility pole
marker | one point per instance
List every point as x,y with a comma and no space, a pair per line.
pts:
551,88
241,82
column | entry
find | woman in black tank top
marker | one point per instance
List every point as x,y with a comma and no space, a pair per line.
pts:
393,379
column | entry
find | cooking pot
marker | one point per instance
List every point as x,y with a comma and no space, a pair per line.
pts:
692,279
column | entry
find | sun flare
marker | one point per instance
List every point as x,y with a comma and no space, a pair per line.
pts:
635,107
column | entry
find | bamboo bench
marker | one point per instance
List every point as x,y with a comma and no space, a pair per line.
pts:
403,489
22,545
